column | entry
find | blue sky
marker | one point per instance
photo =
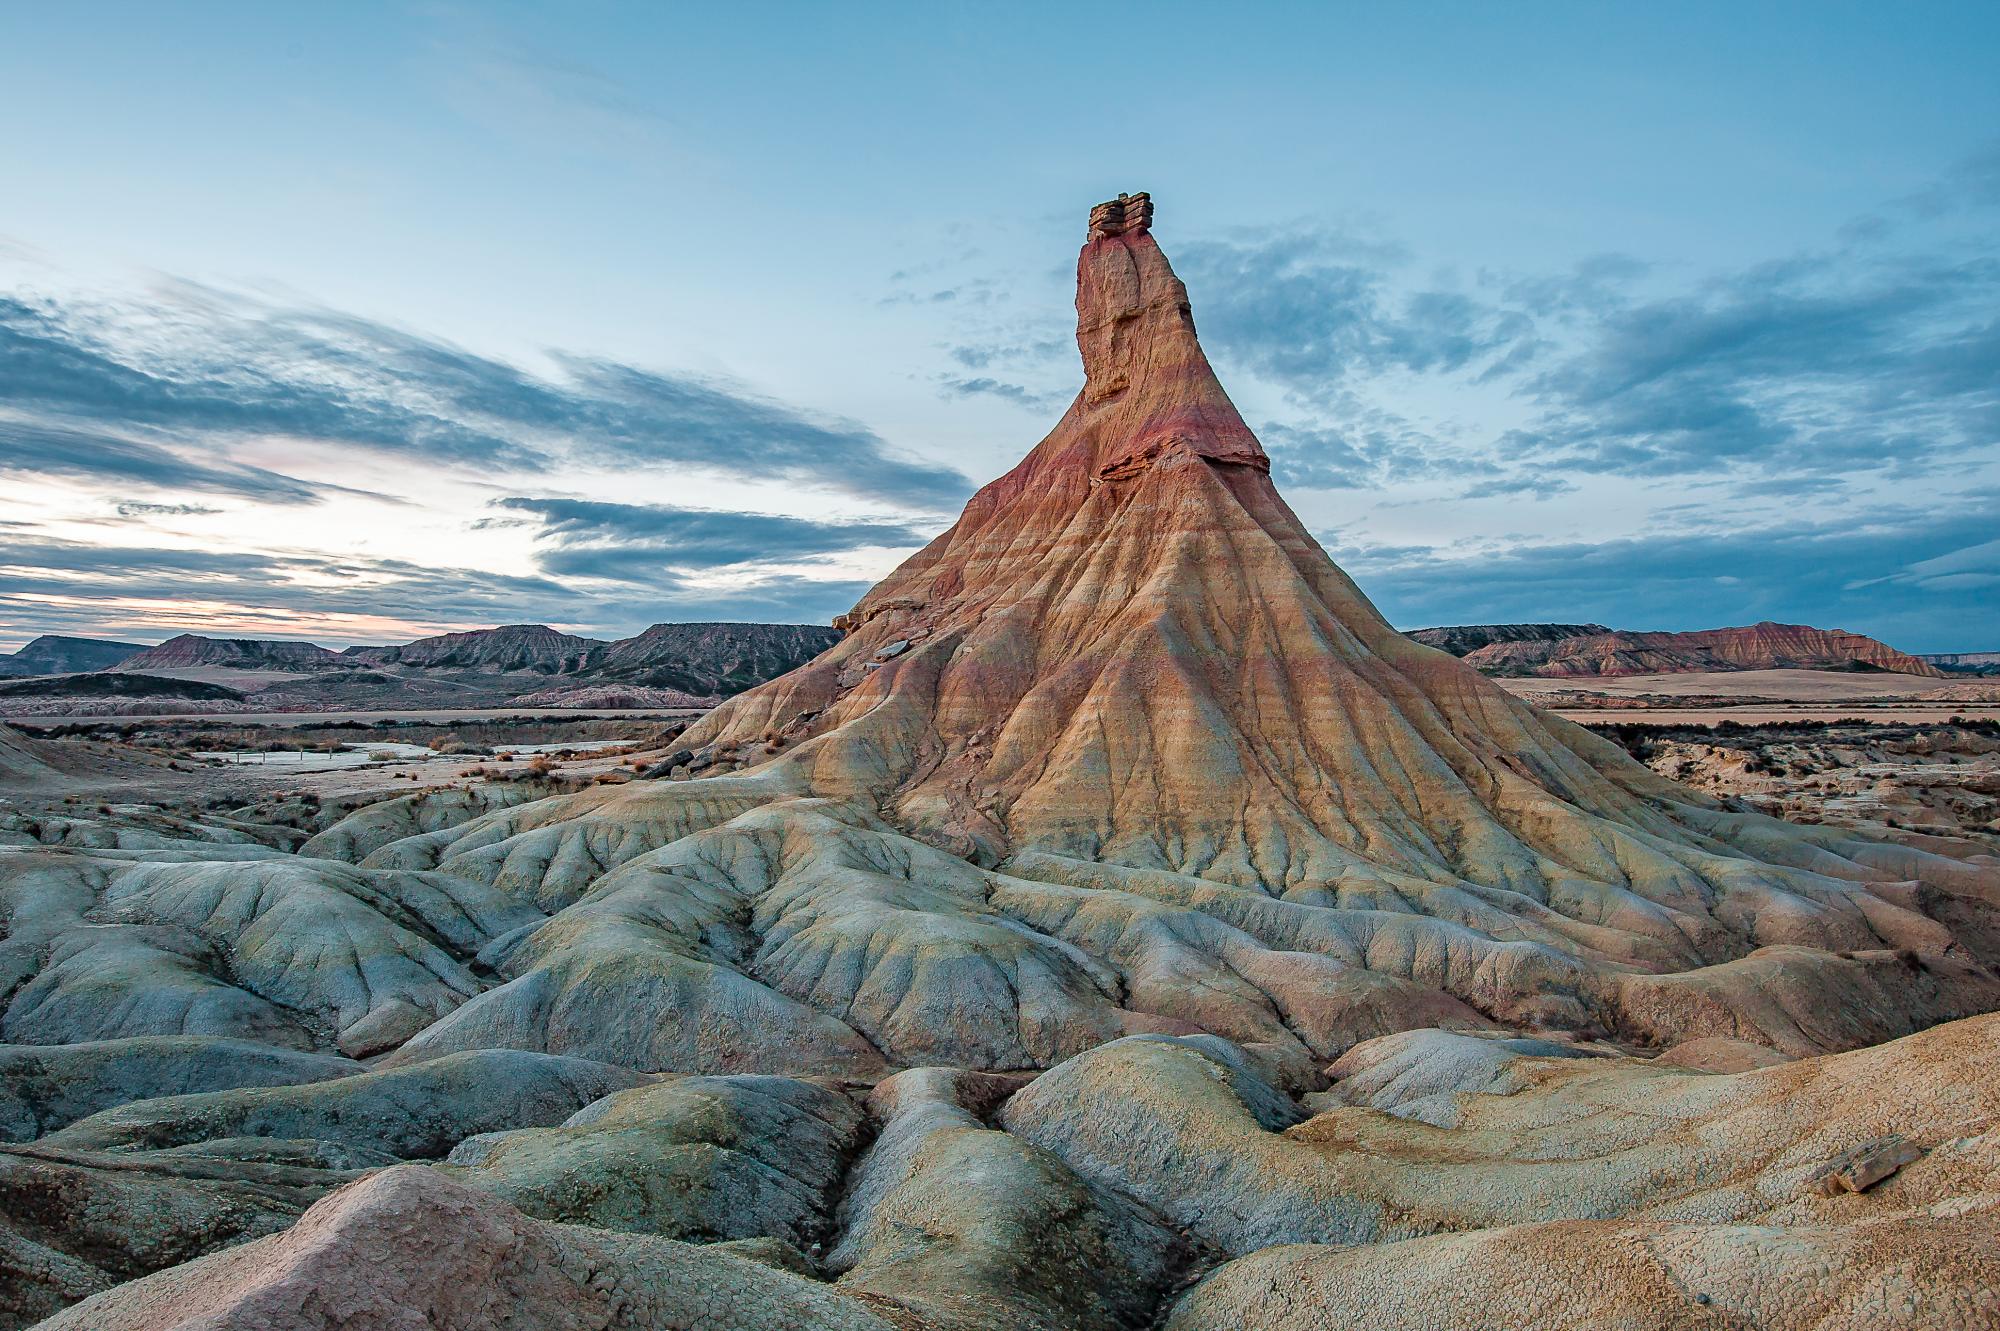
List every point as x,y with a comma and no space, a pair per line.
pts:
358,322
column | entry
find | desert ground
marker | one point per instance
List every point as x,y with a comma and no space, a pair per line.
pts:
1755,697
445,716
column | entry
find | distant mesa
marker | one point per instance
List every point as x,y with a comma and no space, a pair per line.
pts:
530,647
1464,639
710,659
1564,651
191,650
52,654
1964,663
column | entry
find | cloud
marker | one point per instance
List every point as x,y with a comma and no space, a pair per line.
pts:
133,510
1016,349
58,586
658,545
1369,448
34,448
1972,568
1590,286
119,391
48,585
958,386
1525,486
1919,579
1313,309
1817,366
1973,182
545,101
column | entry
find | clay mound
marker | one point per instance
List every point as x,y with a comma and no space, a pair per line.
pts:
22,760
236,941
1563,1192
1909,1272
1195,1130
408,1247
1655,1196
39,767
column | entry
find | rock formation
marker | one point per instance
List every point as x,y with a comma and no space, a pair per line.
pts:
118,684
1464,639
23,761
191,650
511,647
1119,901
1964,663
52,654
592,697
1569,650
709,659
516,665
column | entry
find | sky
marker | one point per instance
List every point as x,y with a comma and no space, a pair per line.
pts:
360,322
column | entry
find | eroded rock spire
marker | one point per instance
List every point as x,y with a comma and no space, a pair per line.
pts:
1148,389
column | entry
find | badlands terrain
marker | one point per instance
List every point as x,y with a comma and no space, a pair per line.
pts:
1119,925
513,666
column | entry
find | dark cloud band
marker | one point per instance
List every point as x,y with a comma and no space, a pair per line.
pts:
83,401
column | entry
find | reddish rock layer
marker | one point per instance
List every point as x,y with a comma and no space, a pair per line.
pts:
1765,646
